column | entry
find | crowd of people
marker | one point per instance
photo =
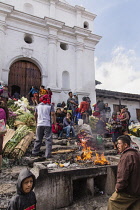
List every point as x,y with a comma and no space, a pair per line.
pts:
127,191
68,114
63,120
115,124
35,94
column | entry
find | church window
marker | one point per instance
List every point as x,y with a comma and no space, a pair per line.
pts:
64,46
28,39
86,24
65,80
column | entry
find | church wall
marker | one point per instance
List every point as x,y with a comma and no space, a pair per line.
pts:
16,49
77,62
89,73
66,62
41,10
70,16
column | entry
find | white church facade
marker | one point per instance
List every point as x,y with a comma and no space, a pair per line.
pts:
50,43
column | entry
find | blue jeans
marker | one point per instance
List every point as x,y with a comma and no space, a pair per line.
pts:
68,129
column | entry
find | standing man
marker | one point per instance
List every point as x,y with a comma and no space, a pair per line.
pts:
71,104
127,190
43,114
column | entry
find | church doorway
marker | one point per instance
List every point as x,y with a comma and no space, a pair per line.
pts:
22,76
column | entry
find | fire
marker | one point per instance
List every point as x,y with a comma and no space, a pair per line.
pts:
86,151
87,154
100,160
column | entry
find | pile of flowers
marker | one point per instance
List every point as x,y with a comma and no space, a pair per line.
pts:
134,129
20,113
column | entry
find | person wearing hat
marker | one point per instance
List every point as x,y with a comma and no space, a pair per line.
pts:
43,114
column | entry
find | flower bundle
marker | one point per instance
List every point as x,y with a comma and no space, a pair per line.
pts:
20,113
20,133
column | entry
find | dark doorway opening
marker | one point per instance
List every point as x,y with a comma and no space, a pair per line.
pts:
81,189
99,185
15,89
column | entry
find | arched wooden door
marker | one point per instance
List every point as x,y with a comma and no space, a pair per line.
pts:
24,75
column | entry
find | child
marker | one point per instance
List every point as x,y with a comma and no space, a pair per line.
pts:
25,198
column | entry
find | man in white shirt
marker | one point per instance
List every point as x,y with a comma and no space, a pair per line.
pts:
43,114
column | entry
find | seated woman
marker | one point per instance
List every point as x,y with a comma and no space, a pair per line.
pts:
68,126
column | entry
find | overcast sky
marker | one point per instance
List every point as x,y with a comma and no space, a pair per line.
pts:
118,53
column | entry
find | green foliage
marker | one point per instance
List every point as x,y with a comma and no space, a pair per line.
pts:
11,121
22,131
27,118
14,107
10,103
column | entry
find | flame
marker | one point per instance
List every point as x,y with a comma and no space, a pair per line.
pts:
87,155
86,151
100,160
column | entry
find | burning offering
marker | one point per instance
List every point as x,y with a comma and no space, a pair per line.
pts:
86,151
101,160
87,155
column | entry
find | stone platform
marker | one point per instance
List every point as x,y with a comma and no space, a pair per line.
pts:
58,187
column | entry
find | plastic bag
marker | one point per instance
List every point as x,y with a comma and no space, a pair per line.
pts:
80,122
